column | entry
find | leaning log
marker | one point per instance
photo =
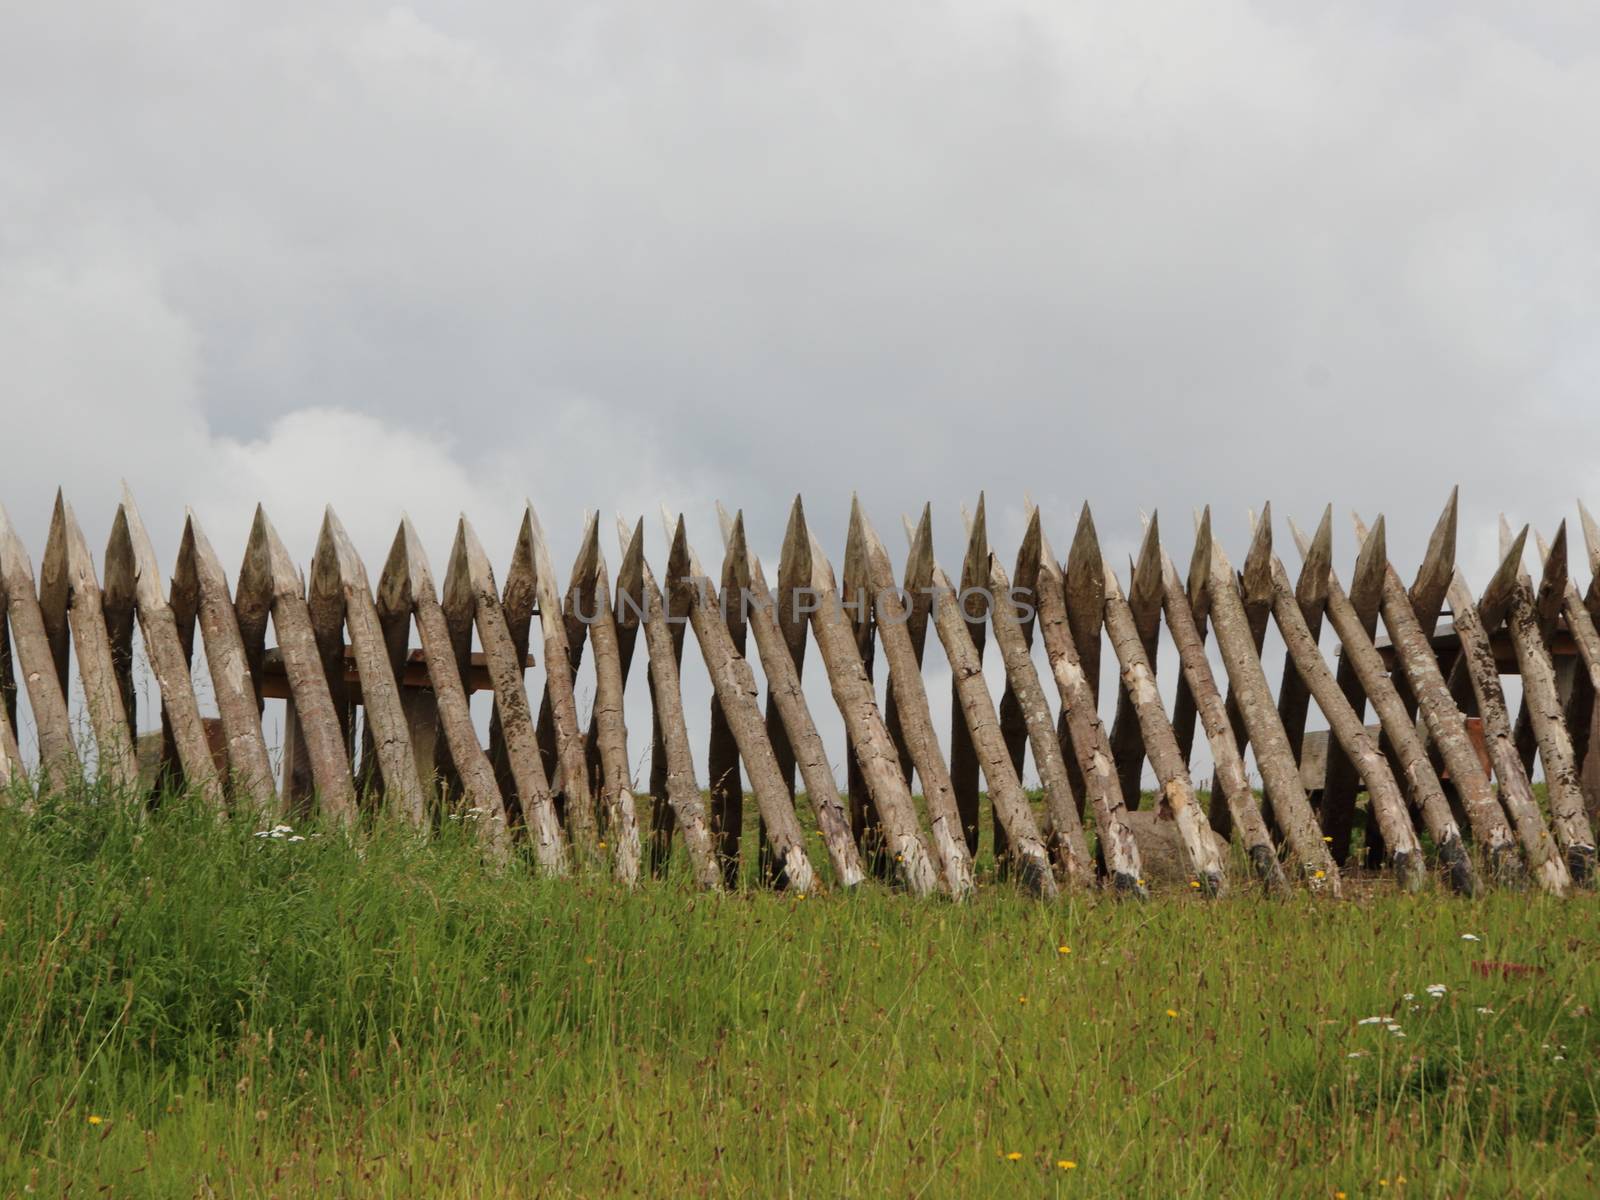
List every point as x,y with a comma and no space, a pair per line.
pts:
1177,799
58,755
611,731
1366,664
735,685
1446,724
1085,732
1279,771
785,697
1545,862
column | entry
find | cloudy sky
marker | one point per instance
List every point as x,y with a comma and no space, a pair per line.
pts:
440,257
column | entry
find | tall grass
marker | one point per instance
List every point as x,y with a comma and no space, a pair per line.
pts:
188,1008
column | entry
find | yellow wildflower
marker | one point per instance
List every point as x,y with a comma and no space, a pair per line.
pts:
1066,1164
1063,949
1329,839
1321,875
1022,999
1172,1012
95,1120
1014,1156
1194,883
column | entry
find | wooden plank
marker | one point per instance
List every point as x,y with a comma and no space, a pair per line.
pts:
678,788
394,754
607,719
1176,802
559,668
232,683
1446,724
1086,735
784,696
1213,713
266,557
1548,867
1064,832
1383,792
102,696
853,692
1357,648
1237,641
406,588
735,684
58,755
470,586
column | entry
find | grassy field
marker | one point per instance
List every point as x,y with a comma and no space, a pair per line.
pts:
193,1010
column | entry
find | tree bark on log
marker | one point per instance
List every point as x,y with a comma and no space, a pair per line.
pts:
1545,862
963,753
1446,724
1579,714
1085,732
102,695
857,702
679,794
1177,802
1357,648
1213,713
1543,702
1065,835
785,697
1279,771
58,755
1143,602
582,829
267,559
1383,792
390,742
1255,586
406,586
1083,594
611,731
722,757
916,604
977,708
471,577
735,684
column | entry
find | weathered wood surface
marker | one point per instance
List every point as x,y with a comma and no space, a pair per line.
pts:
1086,734
785,697
1177,801
1015,724
964,758
406,588
267,559
916,604
855,597
736,686
1143,604
1543,703
470,582
679,793
1445,721
853,693
1255,588
404,793
1279,772
58,753
80,591
1064,833
607,723
232,683
1082,584
722,750
1357,648
1545,862
1578,714
977,709
560,649
1212,710
1383,792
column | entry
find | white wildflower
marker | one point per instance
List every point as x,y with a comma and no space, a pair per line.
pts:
1436,990
1470,937
1485,1011
1371,1021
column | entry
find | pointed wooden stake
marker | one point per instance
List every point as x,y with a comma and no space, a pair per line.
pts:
735,685
406,587
58,756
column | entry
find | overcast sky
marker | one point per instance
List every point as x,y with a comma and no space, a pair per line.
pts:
440,257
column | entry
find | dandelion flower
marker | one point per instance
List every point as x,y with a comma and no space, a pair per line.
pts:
1338,1196
1327,838
1320,875
602,845
1066,1164
1194,883
1014,1156
1022,999
1172,1012
95,1119
1063,949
